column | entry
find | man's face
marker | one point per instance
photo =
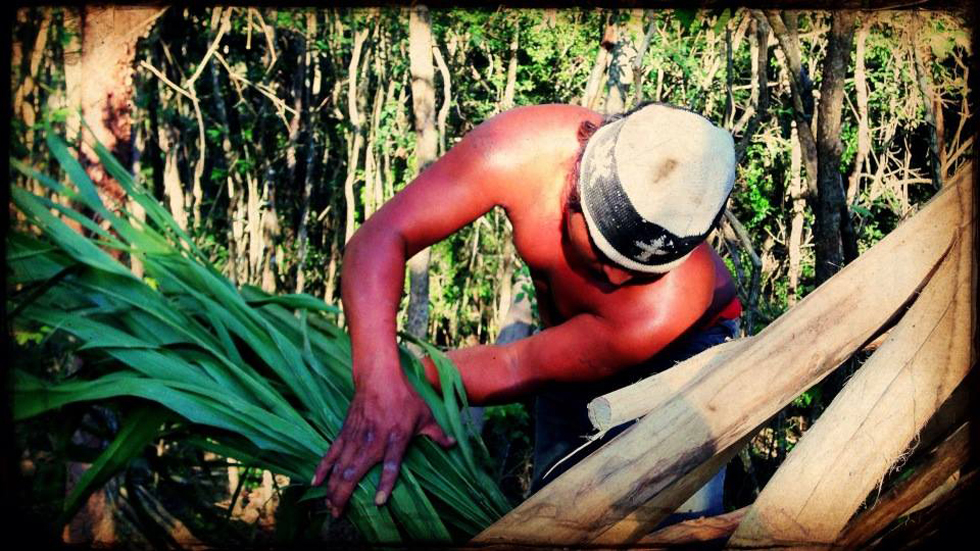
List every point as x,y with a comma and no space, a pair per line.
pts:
588,256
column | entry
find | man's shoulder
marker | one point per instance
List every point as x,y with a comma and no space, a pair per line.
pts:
525,146
537,120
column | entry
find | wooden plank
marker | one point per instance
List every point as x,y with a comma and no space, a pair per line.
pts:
871,422
720,407
945,460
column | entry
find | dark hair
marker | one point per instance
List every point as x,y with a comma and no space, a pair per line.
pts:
586,130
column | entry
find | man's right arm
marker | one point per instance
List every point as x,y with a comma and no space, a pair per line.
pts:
386,412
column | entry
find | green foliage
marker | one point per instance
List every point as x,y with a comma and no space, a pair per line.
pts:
262,378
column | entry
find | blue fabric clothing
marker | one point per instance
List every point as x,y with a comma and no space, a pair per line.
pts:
562,423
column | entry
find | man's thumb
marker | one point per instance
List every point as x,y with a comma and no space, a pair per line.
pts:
435,432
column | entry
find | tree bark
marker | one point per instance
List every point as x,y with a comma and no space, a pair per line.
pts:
929,102
357,141
232,177
508,100
641,52
25,96
831,206
423,107
795,190
861,92
109,36
593,86
758,109
447,94
620,71
309,98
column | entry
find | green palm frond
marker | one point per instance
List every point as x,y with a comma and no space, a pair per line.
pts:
263,379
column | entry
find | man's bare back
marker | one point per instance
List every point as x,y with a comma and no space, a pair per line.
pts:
600,318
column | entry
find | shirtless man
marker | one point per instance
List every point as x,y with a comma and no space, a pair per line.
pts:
609,215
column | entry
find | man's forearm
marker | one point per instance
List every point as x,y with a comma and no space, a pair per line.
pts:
489,374
371,287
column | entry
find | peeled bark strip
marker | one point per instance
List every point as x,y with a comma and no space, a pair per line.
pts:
718,409
883,407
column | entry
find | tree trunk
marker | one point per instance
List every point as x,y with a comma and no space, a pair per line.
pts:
864,134
109,36
232,178
102,83
929,102
789,43
169,137
270,254
310,96
593,86
795,190
357,141
829,247
508,100
25,96
423,107
620,71
638,59
447,90
758,108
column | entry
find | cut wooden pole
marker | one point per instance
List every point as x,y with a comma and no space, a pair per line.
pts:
945,460
721,406
694,532
883,407
635,401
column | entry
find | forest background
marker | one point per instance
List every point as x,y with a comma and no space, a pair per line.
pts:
272,134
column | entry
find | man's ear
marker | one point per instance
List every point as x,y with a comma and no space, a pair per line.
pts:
585,131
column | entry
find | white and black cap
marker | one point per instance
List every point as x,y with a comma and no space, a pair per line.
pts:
653,184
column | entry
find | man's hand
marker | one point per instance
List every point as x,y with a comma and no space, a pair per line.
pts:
379,426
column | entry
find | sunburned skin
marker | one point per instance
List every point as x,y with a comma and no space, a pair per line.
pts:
599,318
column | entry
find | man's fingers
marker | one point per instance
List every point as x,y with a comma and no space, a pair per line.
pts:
435,432
360,455
323,469
390,466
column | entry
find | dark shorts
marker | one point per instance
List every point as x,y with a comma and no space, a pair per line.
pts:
560,410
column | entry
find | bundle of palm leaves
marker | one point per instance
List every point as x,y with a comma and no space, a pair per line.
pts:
263,379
